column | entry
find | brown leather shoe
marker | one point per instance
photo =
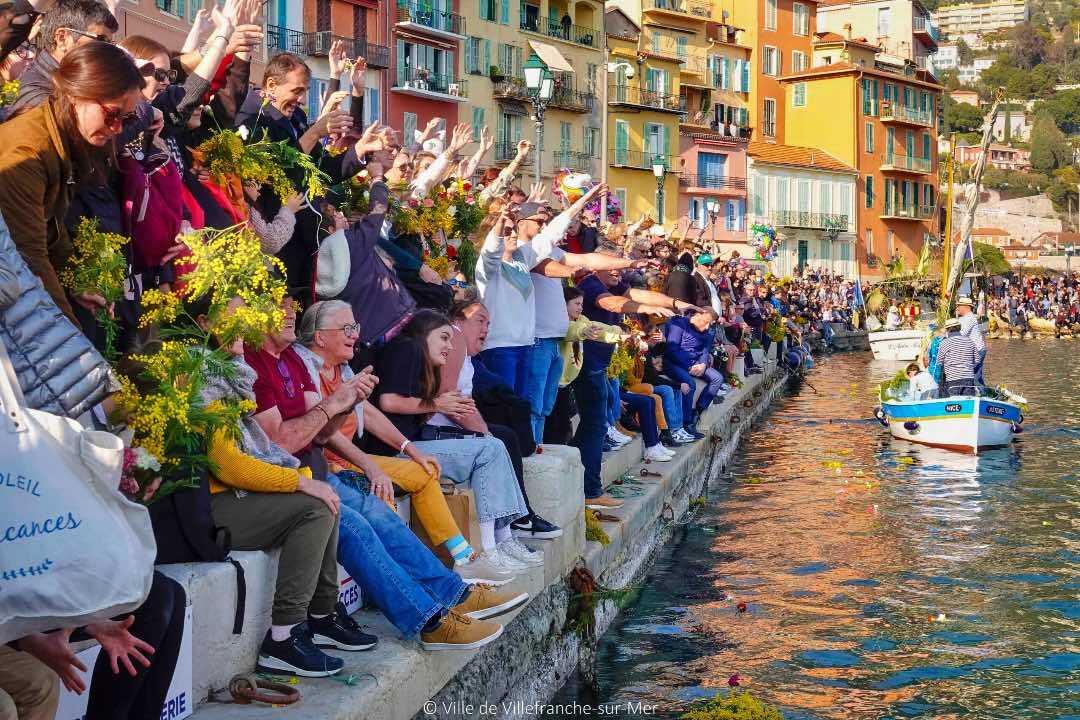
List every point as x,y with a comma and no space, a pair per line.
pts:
457,632
604,502
485,601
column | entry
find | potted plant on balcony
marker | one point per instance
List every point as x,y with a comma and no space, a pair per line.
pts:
871,260
496,74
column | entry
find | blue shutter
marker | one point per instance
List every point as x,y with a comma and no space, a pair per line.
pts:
504,12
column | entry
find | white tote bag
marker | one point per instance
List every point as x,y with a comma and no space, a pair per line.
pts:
73,549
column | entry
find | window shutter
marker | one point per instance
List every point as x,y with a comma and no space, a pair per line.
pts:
504,12
487,56
723,73
759,195
746,76
401,69
926,145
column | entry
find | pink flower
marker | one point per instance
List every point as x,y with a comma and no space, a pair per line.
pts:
470,200
413,202
428,202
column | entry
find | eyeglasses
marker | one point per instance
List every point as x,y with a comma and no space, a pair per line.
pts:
283,370
25,51
351,330
159,74
458,283
98,37
116,116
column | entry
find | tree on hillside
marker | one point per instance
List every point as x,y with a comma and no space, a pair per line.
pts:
1063,191
1027,45
1063,50
1049,147
989,259
1001,74
961,117
1065,109
964,52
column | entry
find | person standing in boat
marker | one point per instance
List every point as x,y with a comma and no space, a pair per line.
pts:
969,328
956,359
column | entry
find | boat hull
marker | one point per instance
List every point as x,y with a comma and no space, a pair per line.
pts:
963,424
897,345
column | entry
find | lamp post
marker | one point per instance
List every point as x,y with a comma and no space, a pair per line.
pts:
659,170
540,85
1069,252
714,212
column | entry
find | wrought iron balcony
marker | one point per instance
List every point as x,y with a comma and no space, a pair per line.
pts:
572,160
690,8
567,98
640,160
814,221
587,36
280,39
908,212
377,56
712,182
894,162
891,112
421,82
637,96
428,17
510,90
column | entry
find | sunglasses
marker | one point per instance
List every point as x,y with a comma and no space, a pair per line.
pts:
159,74
283,371
99,38
458,283
115,116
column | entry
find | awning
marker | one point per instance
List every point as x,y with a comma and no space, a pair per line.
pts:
551,56
511,107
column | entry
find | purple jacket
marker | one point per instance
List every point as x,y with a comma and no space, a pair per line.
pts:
686,345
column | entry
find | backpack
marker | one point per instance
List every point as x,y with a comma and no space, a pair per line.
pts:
184,529
151,193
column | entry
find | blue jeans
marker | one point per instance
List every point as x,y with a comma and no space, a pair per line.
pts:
672,408
591,391
711,376
511,364
645,408
614,409
484,465
393,568
545,368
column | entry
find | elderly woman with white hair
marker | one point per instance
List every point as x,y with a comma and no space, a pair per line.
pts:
327,335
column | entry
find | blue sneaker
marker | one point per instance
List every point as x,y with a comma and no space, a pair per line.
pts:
297,655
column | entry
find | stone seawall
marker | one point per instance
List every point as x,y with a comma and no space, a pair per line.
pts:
536,653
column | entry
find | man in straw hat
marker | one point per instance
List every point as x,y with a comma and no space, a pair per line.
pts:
957,358
969,328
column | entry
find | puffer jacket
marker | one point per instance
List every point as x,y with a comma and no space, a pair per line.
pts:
58,370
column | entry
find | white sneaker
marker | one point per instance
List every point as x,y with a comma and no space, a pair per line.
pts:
683,436
506,561
725,387
483,569
617,437
658,453
520,552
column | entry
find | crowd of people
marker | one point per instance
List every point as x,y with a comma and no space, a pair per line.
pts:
1052,299
400,364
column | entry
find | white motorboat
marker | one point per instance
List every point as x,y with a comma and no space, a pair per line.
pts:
962,423
896,345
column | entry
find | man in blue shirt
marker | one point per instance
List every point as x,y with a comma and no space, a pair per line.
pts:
607,297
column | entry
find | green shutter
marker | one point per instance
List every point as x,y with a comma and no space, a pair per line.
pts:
401,64
487,56
504,12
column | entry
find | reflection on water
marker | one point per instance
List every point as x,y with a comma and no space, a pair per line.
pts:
882,579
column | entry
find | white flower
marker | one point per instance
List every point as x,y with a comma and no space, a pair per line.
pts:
452,210
243,132
145,461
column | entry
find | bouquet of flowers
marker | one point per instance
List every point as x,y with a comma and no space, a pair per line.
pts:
774,327
98,266
763,240
227,264
171,426
9,92
356,195
464,209
466,259
426,217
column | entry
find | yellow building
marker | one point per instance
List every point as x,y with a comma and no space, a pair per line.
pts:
644,109
499,42
880,119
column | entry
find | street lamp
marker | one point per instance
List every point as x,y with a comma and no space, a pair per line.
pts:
540,84
659,169
714,212
1069,252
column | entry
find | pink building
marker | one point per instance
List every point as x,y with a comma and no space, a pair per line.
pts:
1002,157
712,182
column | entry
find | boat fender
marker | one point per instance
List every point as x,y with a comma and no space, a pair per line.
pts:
912,427
1016,428
882,418
1021,420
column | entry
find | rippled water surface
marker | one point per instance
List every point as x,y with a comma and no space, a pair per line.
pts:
882,579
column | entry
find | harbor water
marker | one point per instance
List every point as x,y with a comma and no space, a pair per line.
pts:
840,574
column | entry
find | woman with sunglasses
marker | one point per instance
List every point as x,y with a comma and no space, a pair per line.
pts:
47,152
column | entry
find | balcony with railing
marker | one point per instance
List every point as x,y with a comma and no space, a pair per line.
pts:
895,162
421,82
377,56
638,97
721,184
510,90
640,160
506,150
908,212
811,220
699,9
922,25
892,112
571,100
280,39
578,34
426,18
572,160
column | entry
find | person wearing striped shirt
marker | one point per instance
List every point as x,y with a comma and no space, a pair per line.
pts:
957,358
969,328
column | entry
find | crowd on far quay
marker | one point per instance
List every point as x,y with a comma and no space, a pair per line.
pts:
364,357
1050,298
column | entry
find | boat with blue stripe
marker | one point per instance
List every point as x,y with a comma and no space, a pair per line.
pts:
963,423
